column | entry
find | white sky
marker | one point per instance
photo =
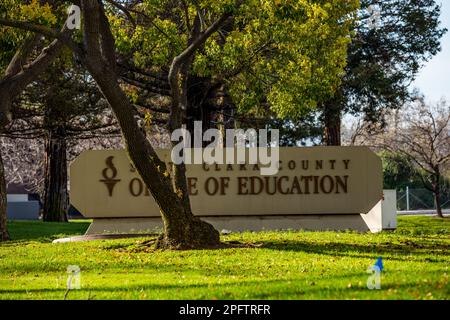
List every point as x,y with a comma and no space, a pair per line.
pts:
434,78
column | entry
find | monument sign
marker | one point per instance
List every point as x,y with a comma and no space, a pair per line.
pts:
311,183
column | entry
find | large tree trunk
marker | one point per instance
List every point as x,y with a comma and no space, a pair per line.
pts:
3,230
190,225
182,230
56,198
332,124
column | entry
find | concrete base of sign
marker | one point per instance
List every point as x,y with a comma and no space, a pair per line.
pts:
381,217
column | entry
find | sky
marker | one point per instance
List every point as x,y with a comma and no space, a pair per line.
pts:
434,78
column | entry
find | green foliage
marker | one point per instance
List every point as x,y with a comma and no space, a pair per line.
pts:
278,265
34,11
296,133
64,102
10,39
287,54
383,61
281,55
39,13
399,172
304,52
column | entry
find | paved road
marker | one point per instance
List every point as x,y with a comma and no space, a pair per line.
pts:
422,212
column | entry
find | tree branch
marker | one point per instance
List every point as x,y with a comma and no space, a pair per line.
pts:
64,35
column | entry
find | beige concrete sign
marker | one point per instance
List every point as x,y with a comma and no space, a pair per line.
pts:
313,180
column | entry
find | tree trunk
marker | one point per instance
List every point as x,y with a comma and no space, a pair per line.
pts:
3,217
56,198
197,107
188,225
437,194
332,124
182,230
437,200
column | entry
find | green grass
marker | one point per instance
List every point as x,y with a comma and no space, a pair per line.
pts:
45,231
283,265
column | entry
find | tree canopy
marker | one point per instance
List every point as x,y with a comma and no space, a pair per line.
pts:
393,39
284,56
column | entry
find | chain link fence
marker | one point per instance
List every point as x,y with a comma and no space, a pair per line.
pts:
420,199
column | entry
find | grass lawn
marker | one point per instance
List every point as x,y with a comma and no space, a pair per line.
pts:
282,265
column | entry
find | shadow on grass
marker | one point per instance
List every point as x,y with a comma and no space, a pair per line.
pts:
266,289
420,249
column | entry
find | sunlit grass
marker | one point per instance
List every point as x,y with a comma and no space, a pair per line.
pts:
281,265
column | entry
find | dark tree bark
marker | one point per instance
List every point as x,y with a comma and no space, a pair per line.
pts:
3,230
56,198
181,228
198,108
332,124
209,103
437,200
437,193
190,226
